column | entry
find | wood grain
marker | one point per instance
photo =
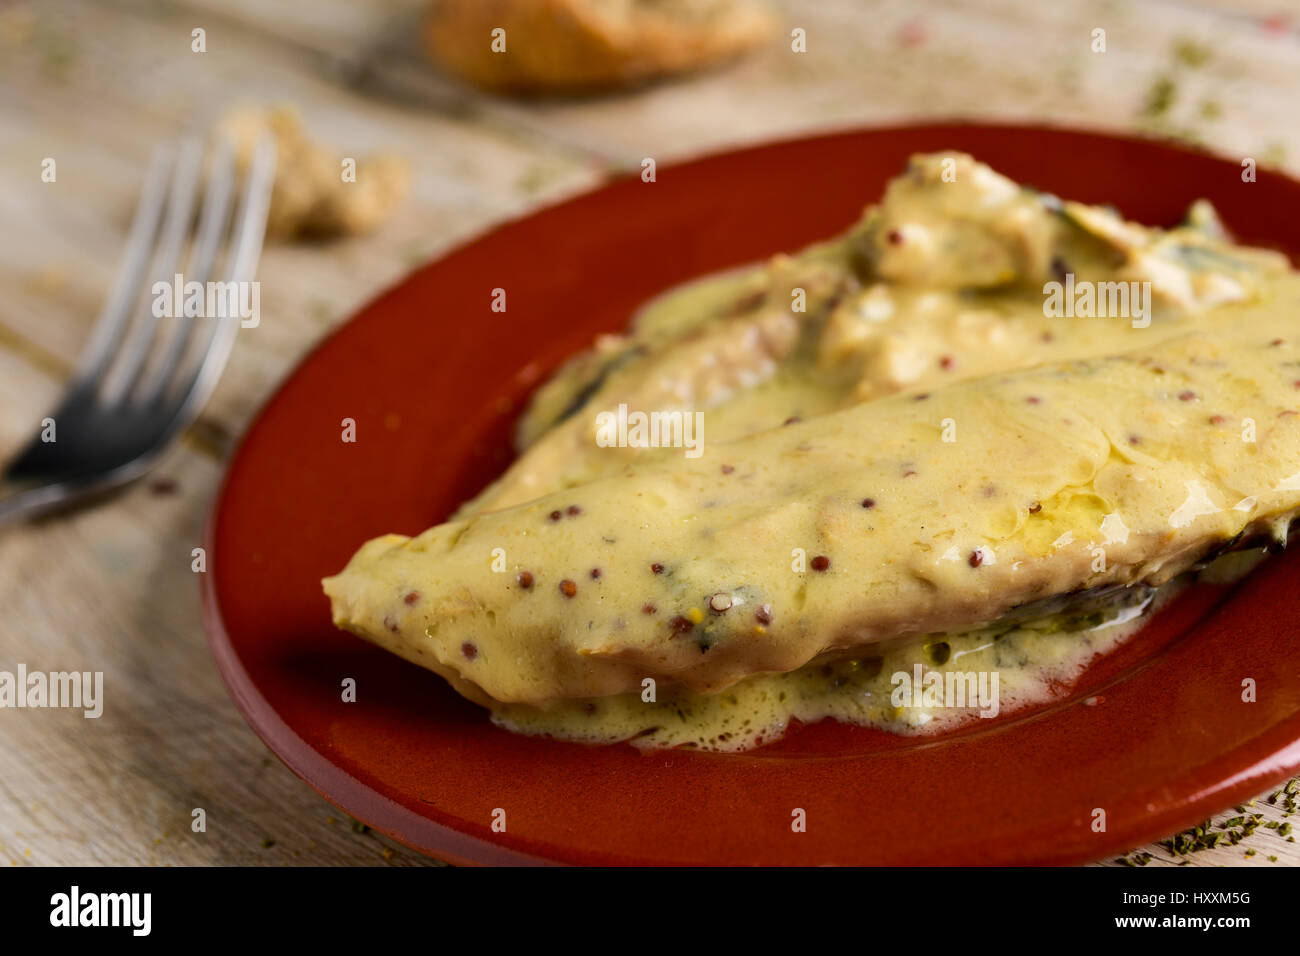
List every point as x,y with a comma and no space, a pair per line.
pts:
95,85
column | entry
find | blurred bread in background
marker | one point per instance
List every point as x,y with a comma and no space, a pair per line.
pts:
588,46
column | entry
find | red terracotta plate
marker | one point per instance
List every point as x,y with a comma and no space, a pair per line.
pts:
434,379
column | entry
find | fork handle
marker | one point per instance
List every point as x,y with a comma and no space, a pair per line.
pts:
28,502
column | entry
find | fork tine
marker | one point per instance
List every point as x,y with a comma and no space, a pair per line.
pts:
130,273
257,202
212,224
245,249
176,227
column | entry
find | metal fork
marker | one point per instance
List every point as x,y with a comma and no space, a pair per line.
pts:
121,410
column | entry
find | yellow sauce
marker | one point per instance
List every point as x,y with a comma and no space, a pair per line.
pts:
915,689
902,447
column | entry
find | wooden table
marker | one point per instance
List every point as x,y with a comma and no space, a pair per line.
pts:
96,84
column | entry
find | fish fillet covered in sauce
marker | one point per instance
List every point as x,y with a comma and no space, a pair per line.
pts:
928,443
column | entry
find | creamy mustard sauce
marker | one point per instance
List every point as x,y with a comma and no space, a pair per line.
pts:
906,462
939,284
999,669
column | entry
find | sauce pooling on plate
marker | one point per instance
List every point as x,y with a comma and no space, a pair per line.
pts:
918,688
985,431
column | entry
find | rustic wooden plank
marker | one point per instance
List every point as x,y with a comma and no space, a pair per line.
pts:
464,180
111,589
998,59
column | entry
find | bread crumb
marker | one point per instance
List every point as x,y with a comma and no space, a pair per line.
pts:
316,195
